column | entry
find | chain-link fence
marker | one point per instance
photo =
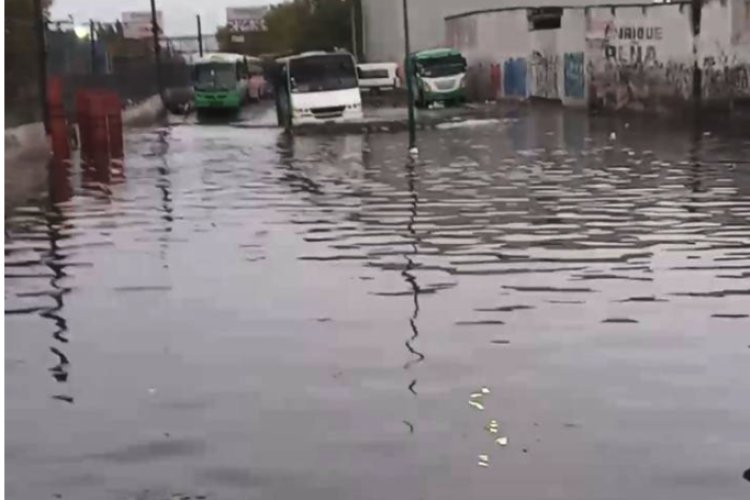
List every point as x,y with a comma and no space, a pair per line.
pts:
22,100
97,56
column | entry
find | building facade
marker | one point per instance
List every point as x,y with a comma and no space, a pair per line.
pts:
383,21
638,55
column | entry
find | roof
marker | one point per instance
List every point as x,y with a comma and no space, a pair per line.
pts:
219,57
435,53
311,54
378,65
603,5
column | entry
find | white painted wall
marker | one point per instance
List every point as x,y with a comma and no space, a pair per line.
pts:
724,51
650,70
571,42
610,70
383,37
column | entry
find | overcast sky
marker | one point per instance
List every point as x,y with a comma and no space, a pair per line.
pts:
179,15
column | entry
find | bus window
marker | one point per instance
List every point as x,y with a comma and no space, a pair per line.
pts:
322,73
214,75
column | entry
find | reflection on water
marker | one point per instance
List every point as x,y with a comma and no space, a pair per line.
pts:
238,313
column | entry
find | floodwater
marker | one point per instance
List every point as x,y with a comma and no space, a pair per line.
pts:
533,309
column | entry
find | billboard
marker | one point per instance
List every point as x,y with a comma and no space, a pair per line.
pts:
247,18
137,25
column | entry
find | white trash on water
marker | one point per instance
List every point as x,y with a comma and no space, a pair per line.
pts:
475,122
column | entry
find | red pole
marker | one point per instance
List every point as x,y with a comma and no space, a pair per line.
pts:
82,117
58,128
114,119
99,133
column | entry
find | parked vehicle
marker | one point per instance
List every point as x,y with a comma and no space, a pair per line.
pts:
378,76
317,87
439,76
220,81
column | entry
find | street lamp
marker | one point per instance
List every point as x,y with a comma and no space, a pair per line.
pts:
409,89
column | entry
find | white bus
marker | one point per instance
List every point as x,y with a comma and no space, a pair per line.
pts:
317,87
378,76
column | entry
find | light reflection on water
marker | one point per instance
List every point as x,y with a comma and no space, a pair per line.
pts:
243,314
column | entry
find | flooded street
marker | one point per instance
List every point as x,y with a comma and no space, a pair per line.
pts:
542,306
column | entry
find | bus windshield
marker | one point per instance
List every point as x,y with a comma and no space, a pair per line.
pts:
322,73
441,66
215,76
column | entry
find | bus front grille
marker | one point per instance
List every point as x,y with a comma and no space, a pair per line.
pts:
328,112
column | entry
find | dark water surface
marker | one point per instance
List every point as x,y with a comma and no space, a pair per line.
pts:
532,310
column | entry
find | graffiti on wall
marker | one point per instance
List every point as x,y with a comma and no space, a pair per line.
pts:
741,22
544,75
724,78
495,80
573,74
514,77
624,66
679,78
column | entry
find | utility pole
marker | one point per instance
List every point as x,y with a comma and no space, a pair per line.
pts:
353,22
157,49
39,29
92,46
409,89
200,35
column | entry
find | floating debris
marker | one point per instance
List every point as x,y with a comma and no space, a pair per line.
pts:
492,427
484,461
485,390
502,441
475,404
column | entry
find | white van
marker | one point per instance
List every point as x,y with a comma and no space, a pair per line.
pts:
378,76
318,87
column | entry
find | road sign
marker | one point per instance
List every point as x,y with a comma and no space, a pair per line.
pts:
247,18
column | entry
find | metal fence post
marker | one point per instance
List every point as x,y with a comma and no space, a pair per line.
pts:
40,27
409,76
157,48
200,35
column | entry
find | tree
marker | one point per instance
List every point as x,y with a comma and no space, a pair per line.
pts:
298,26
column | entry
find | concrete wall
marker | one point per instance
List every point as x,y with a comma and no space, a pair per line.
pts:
723,53
640,58
637,57
383,22
383,36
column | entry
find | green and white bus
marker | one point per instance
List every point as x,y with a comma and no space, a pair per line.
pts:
220,81
439,76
